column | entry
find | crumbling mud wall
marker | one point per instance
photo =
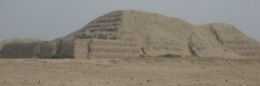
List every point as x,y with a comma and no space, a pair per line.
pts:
65,47
47,49
1,45
20,50
113,49
28,50
81,48
233,39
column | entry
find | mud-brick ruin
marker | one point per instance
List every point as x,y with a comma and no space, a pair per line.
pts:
131,34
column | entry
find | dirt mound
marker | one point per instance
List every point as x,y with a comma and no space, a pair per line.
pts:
130,33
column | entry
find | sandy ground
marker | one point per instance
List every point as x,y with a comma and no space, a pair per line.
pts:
129,72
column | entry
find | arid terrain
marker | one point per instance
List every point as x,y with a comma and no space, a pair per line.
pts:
129,48
130,72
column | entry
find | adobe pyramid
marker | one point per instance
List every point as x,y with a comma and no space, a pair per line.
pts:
130,33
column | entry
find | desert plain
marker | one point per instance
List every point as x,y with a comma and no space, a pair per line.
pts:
130,72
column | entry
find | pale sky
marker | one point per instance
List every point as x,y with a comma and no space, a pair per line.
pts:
50,19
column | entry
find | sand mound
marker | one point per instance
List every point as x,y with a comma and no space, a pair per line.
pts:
126,34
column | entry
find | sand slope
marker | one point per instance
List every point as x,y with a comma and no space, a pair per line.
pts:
129,72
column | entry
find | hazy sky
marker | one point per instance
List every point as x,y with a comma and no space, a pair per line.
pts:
49,19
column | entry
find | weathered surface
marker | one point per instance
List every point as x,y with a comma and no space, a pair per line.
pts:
235,40
156,35
47,49
31,49
17,40
1,45
126,34
81,49
113,49
20,50
65,47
